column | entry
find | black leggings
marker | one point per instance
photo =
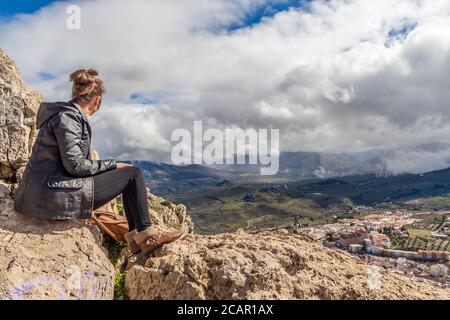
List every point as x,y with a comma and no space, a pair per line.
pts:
129,182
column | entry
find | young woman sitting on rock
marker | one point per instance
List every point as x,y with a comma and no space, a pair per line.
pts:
61,181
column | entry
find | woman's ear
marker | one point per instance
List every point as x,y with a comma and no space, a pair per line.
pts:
98,102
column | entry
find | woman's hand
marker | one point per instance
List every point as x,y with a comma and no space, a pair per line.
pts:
121,165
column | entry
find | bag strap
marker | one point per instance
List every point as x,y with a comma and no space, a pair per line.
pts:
109,222
106,213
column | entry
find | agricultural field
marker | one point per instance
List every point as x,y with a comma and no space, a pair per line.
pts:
432,222
421,234
437,203
415,243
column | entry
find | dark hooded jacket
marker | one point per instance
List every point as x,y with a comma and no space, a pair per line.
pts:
57,183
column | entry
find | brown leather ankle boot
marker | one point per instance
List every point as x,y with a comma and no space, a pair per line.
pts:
133,246
151,239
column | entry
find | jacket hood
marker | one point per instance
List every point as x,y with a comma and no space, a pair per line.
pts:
49,109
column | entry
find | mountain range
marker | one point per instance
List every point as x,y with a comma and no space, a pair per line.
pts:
164,178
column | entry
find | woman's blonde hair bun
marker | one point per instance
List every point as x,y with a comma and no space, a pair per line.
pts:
86,85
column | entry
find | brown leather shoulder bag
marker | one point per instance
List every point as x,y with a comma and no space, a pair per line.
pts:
115,225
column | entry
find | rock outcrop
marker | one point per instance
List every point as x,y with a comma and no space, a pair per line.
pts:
18,107
169,215
268,265
51,260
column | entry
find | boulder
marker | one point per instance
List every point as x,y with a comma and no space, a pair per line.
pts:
18,108
168,215
269,265
51,260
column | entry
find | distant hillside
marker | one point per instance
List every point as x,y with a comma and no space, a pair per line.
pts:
165,179
370,189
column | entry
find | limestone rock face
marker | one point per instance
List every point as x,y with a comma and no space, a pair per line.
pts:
51,260
18,108
167,214
269,265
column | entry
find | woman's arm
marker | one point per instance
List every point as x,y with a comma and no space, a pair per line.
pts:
68,130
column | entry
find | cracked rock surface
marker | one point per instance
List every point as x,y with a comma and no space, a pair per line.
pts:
18,108
51,260
268,265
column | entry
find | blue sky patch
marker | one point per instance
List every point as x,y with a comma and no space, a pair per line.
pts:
148,98
267,11
400,33
46,76
403,31
12,7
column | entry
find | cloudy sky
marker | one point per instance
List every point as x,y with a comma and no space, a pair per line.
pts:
338,75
